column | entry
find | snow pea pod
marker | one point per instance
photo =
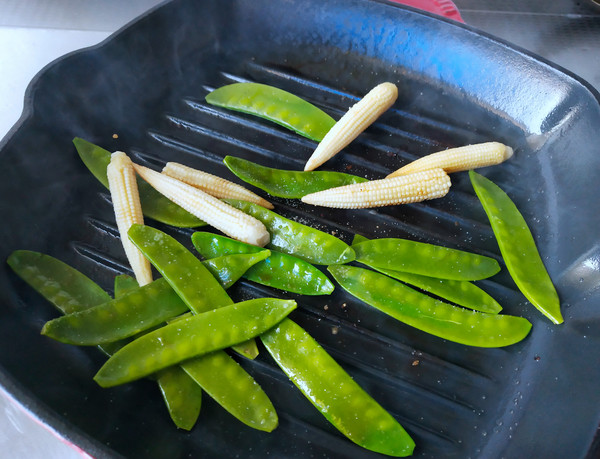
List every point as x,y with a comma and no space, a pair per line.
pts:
62,285
217,374
120,318
275,105
333,392
186,274
181,394
197,335
429,315
293,238
463,293
233,388
286,183
280,270
518,247
154,204
426,259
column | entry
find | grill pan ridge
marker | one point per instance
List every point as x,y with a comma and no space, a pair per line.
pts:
456,86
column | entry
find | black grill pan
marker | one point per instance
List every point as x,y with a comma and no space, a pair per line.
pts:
142,91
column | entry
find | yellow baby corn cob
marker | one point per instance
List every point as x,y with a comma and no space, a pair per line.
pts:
216,213
213,185
430,184
356,120
128,210
459,159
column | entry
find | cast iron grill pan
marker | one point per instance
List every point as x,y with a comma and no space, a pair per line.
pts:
147,85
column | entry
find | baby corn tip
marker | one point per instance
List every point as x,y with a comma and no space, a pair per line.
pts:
508,152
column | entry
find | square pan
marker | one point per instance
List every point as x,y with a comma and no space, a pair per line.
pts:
147,83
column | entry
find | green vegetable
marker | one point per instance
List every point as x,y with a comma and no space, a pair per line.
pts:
191,337
334,393
275,105
425,259
217,374
285,183
463,293
120,318
233,388
185,273
66,288
279,271
181,394
71,291
429,315
296,239
154,204
518,247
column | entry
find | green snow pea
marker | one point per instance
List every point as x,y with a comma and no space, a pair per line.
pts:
216,373
463,293
154,204
233,388
181,394
227,269
126,316
275,105
296,239
426,259
186,274
428,314
197,335
71,291
334,393
62,285
286,183
280,270
120,318
518,247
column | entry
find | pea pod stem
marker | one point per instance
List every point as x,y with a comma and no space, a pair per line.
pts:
518,247
432,316
191,337
287,183
334,393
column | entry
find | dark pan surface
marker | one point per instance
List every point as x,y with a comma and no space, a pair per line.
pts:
147,84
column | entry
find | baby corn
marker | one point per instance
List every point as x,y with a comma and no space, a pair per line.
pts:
213,185
459,159
128,210
430,184
216,213
356,120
